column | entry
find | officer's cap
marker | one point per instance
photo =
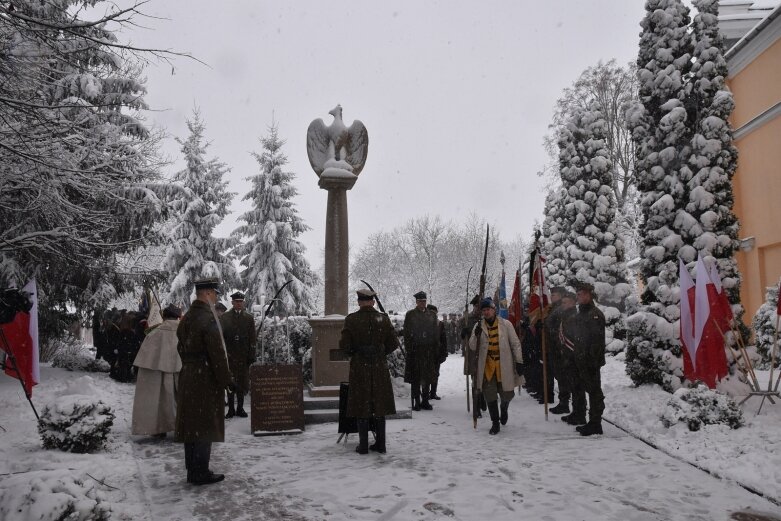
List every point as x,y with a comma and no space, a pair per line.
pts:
237,296
365,294
432,307
560,290
487,302
568,294
420,295
208,283
220,307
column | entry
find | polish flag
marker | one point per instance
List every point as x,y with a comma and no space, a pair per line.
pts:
711,361
687,322
725,316
21,341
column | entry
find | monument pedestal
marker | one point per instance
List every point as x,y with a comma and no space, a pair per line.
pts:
330,366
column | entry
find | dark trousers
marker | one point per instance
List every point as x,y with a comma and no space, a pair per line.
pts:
196,457
563,372
420,390
588,381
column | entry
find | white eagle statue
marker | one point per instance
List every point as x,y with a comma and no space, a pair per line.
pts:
337,150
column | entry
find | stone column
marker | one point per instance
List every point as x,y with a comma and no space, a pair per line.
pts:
336,253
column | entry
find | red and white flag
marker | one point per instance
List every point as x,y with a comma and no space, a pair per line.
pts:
711,361
724,316
687,322
539,295
21,341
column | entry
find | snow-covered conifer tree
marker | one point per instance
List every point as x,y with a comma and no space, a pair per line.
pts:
714,157
555,231
764,325
193,251
272,255
662,132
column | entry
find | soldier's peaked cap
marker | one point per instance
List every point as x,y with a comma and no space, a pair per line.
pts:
208,283
583,286
237,296
219,306
420,295
561,290
365,294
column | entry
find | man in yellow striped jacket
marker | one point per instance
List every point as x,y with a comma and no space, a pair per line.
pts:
499,361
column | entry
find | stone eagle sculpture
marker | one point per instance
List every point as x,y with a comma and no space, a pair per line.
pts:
337,149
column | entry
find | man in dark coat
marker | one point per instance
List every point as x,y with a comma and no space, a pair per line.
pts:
563,357
553,348
202,382
367,338
238,330
441,353
584,334
421,340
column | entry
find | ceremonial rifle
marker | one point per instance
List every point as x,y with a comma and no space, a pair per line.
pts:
466,325
480,293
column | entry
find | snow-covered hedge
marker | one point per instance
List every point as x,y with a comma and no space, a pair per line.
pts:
75,423
72,354
52,496
701,406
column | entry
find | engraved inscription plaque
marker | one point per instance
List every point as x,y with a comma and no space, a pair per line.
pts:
277,399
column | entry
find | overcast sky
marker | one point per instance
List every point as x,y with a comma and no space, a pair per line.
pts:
456,96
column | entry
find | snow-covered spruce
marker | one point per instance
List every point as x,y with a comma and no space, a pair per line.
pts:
662,134
193,251
764,325
594,251
75,423
555,230
52,496
272,253
702,406
72,354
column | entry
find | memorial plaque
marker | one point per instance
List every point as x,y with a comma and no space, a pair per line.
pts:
277,399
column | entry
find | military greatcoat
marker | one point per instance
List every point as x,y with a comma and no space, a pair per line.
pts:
238,330
200,399
367,338
421,340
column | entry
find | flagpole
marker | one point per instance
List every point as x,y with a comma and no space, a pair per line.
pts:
542,322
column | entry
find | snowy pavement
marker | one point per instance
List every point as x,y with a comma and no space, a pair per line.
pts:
437,466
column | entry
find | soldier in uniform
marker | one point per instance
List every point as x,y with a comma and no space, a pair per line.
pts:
238,330
584,334
421,339
553,347
202,381
564,359
499,361
441,354
367,338
470,359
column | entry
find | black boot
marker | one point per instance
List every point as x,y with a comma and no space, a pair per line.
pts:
590,429
493,410
574,419
504,415
433,392
363,436
561,408
379,444
415,397
231,411
240,412
424,404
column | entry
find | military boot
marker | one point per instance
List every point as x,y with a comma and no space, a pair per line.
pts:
363,436
574,419
207,478
424,403
379,444
590,429
504,413
240,412
493,410
231,410
561,408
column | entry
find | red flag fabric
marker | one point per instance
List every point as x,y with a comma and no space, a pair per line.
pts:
724,315
19,343
687,321
711,362
537,284
514,311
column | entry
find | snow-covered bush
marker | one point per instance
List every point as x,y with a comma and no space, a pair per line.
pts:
72,354
396,361
286,340
702,406
75,423
764,324
52,496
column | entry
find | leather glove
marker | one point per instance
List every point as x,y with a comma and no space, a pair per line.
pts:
519,368
231,387
478,331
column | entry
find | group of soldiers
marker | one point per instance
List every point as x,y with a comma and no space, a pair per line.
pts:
558,342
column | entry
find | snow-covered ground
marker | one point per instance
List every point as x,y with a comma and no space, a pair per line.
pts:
437,466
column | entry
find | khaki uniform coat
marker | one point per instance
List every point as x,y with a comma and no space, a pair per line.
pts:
238,330
200,399
158,362
421,340
371,392
509,353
